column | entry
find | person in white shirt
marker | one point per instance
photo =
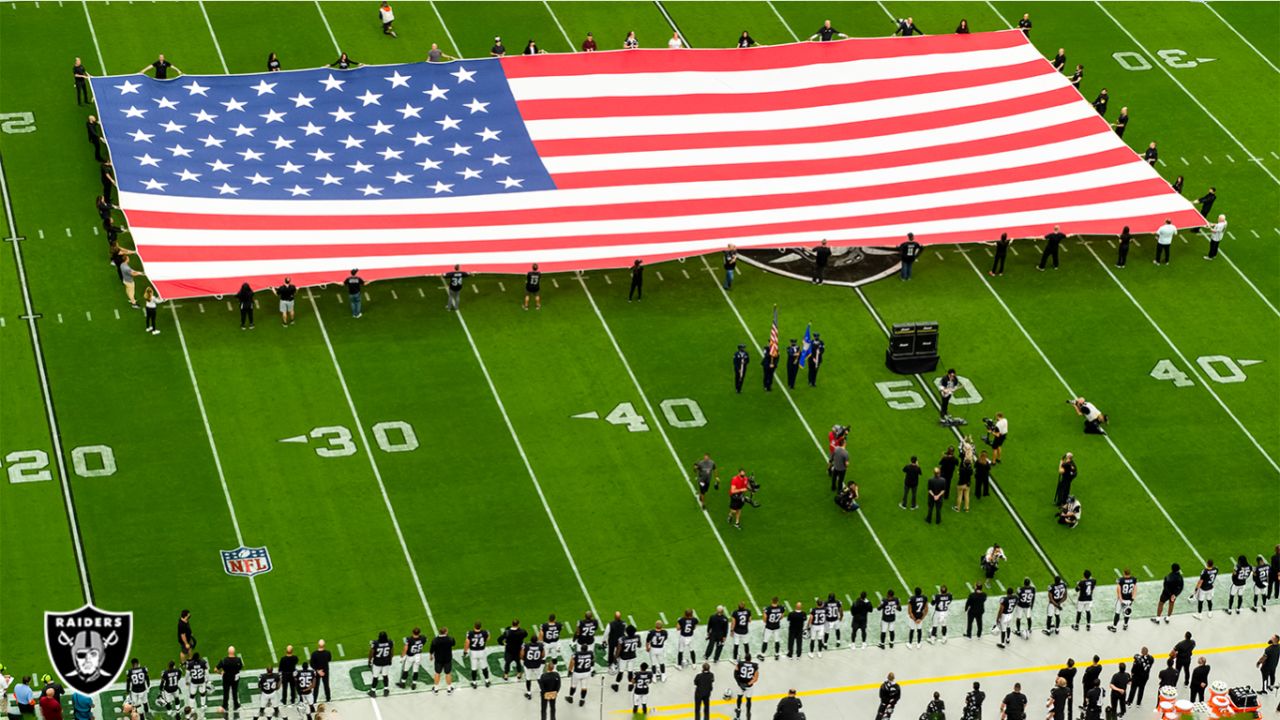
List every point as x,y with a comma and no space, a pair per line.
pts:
674,43
1164,241
998,437
1215,236
387,17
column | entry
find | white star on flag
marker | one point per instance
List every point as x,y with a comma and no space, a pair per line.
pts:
458,149
311,128
476,106
211,141
179,151
370,190
297,190
420,139
233,105
486,135
172,126
258,179
369,98
409,111
359,167
389,154
186,175
196,88
399,177
242,129
429,164
281,142
398,80
273,116
448,123
496,159
203,116
436,92
154,184
218,166
464,75
133,112
289,167
319,155
249,154
342,114
509,182
226,189
440,187
331,84
129,87
330,179
139,136
468,173
165,103
301,100
351,142
380,128
146,160
263,87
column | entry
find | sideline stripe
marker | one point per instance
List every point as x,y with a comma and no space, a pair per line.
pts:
952,678
670,448
1072,393
373,463
906,587
1191,367
929,392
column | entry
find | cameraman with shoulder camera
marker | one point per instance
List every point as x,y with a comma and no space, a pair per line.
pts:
738,487
997,432
1094,418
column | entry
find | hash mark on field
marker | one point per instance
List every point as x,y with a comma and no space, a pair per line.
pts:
1116,571
989,253
1255,233
366,297
1162,163
59,318
421,293
394,296
1184,161
95,229
41,234
117,313
686,273
1111,243
1,322
1231,158
257,305
68,232
88,316
631,620
607,281
1184,239
664,617
341,652
201,306
659,272
1274,155
306,651
1206,159
849,598
939,255
1002,587
879,596
1147,570
969,585
502,287
475,288
1012,249
1277,229
1233,235
229,308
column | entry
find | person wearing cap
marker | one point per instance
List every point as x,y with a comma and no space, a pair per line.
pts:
387,17
589,45
498,50
793,363
816,351
287,292
740,362
770,364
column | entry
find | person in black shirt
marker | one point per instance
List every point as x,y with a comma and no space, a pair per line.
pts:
1051,243
773,615
355,286
936,490
441,657
511,638
94,130
795,631
1014,706
1273,583
320,659
1077,77
453,287
1267,663
740,362
789,707
637,281
532,48
974,607
745,41
948,462
826,32
1168,677
245,297
1199,680
1122,121
186,639
768,361
949,383
1206,204
821,255
286,292
170,686
1068,674
1122,255
273,63
1059,700
793,363
1092,674
962,28
890,694
910,482
1060,60
717,631
703,683
288,671
1002,252
1152,155
229,668
548,690
162,67
1093,703
344,63
612,637
1182,656
498,50
907,28
381,653
973,703
1177,184
908,252
817,350
533,286
268,686
1119,688
1142,663
1170,589
1100,102
107,175
1025,24
858,613
1067,473
82,82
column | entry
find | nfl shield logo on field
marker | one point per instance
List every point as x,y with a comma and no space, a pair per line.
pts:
246,561
88,647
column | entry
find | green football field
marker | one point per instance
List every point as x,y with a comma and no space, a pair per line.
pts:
418,467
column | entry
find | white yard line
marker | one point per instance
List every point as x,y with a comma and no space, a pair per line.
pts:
217,463
213,35
675,457
563,32
457,50
672,23
1250,284
55,434
1072,393
102,66
1176,81
502,408
997,12
333,38
929,392
1189,365
886,11
782,20
1233,29
373,462
817,443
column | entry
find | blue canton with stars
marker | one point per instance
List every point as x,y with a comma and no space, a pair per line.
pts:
397,131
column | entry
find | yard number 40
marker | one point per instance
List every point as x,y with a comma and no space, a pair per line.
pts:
1219,368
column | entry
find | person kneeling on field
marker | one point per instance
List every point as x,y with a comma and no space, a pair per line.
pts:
1069,513
1094,419
848,498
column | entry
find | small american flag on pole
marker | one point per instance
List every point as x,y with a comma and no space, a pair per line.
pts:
773,334
590,160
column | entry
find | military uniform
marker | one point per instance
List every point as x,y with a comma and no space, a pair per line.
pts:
770,364
816,350
793,364
740,362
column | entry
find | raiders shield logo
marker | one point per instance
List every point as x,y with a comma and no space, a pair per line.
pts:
88,647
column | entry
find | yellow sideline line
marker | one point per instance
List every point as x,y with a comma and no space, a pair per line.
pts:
940,679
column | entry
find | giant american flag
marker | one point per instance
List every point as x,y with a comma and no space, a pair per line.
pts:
590,160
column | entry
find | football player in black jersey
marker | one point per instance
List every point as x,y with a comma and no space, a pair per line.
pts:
655,643
138,683
411,657
817,627
1084,601
531,657
859,611
1004,618
1204,589
889,608
917,609
585,632
640,683
1126,591
533,286
835,614
581,666
685,627
441,650
380,656
773,628
268,686
941,607
170,686
746,674
741,620
628,650
890,694
1239,579
1261,580
550,635
1057,596
306,680
197,681
1026,601
477,648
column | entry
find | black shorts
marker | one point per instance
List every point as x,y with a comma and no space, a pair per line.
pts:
997,441
443,665
1166,596
533,289
736,502
703,486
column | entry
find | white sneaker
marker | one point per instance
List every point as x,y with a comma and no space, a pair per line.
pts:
1209,614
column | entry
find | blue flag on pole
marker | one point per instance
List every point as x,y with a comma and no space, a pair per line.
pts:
807,348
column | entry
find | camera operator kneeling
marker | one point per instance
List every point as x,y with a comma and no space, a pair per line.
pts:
1094,419
848,498
1069,513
